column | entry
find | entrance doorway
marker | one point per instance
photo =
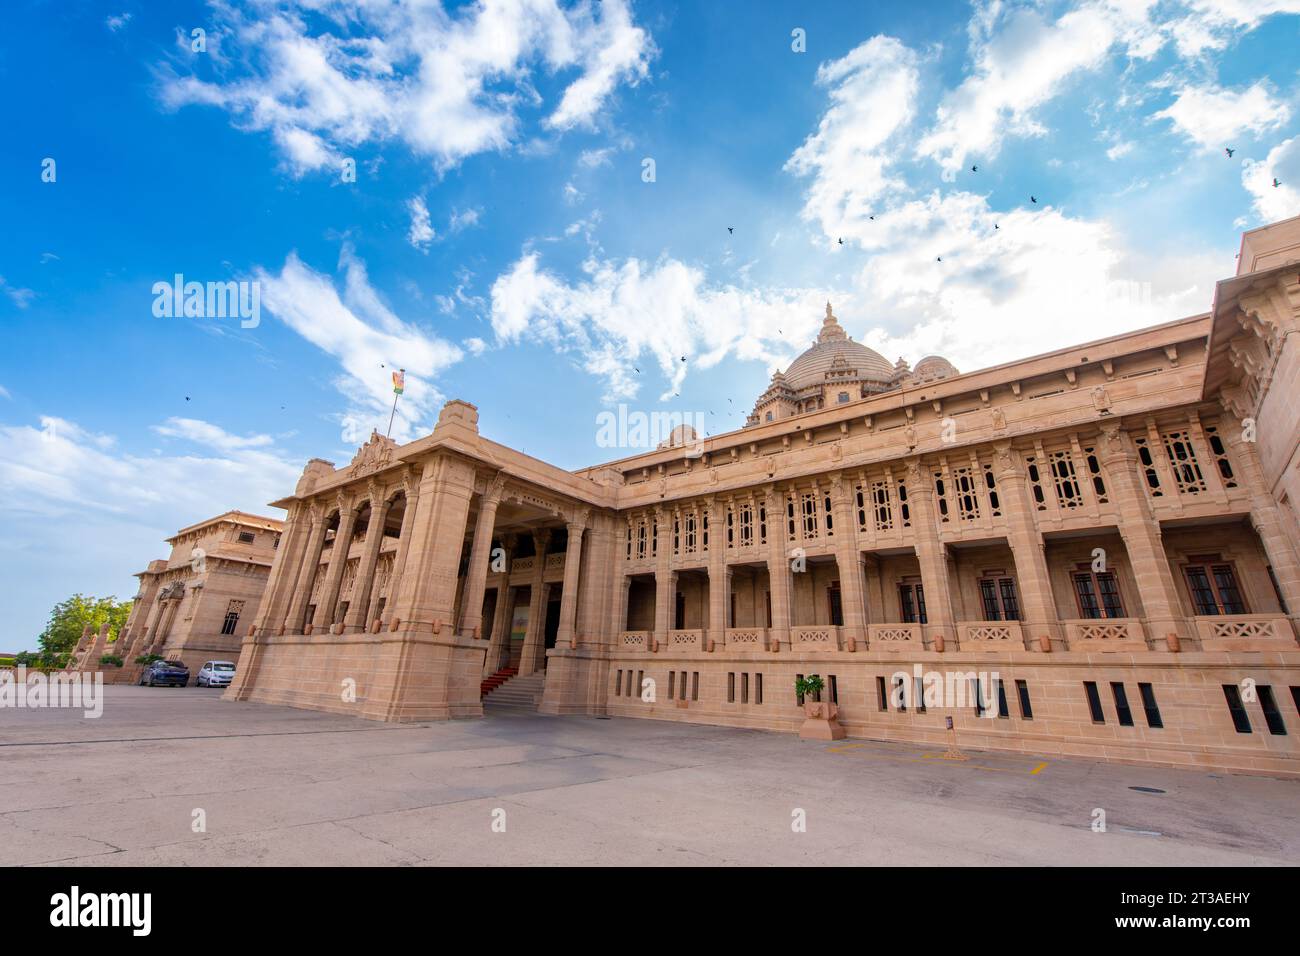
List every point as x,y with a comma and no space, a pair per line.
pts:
552,623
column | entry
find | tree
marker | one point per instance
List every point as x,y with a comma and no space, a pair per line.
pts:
69,618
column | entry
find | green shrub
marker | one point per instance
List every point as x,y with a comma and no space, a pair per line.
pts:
148,659
809,687
111,660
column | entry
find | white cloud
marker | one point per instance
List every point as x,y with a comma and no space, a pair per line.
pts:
1271,202
17,294
367,339
117,22
464,220
421,232
1119,150
81,516
664,310
475,345
213,436
1212,117
4,392
327,76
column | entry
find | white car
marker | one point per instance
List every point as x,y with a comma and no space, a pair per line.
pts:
215,674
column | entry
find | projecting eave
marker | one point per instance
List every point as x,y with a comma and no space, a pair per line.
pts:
1020,370
1227,297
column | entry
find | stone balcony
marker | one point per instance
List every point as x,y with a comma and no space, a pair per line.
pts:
636,640
822,637
747,638
897,637
1105,635
1246,632
990,635
685,640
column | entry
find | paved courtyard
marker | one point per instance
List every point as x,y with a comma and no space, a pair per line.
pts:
283,786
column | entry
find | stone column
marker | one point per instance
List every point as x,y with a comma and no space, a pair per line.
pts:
778,569
284,570
849,559
535,636
411,485
358,617
566,634
338,562
620,609
665,578
1278,546
471,605
306,576
719,576
1037,604
501,618
931,554
1142,538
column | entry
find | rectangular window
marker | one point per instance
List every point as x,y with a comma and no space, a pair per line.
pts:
920,695
744,688
618,684
247,537
672,684
900,693
1214,590
798,697
911,599
1003,710
835,605
835,690
695,685
1121,704
1239,718
640,681
1150,706
978,693
1295,698
998,596
731,687
1272,716
1026,708
1097,594
758,688
882,700
1094,702
681,687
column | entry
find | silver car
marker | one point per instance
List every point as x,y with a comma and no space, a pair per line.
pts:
215,674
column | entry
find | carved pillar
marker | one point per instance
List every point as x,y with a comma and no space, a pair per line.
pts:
719,576
849,559
620,608
471,615
565,635
306,577
1264,515
778,569
500,636
338,561
1037,604
535,636
1142,538
931,554
411,485
358,617
284,570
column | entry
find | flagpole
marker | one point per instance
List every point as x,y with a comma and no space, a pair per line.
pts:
396,396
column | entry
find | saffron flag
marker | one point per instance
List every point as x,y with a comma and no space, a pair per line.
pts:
399,382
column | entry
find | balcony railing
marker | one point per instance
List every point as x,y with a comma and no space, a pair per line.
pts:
635,640
747,638
823,637
1245,632
685,640
884,636
1105,634
522,564
991,635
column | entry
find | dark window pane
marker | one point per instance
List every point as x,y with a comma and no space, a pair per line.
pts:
1094,702
1272,716
1239,718
1121,704
1149,705
1087,597
1026,709
1198,582
1226,584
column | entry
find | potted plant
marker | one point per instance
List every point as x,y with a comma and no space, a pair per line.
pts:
819,718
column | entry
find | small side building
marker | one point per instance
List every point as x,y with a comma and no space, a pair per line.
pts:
192,605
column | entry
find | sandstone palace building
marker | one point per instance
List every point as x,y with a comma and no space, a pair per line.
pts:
1111,529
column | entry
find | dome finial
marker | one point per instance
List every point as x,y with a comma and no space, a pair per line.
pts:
831,329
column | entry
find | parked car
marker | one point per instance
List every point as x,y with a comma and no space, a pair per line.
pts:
166,673
215,674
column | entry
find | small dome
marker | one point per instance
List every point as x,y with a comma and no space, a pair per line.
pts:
834,348
681,435
933,367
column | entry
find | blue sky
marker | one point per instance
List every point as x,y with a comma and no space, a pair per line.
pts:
501,242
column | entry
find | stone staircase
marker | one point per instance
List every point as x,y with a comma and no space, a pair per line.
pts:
516,694
490,684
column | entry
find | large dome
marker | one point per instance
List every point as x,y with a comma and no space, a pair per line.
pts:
834,348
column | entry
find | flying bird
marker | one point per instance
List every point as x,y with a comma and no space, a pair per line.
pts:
938,258
1033,199
996,226
974,169
683,358
187,398
730,231
1276,182
1229,151
872,218
841,240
